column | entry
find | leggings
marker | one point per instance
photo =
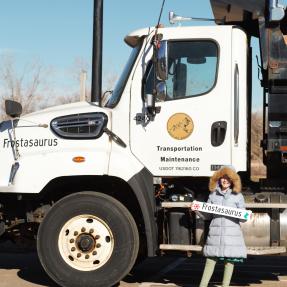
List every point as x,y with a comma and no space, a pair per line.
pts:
208,271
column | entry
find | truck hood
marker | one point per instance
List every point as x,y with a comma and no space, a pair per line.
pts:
46,115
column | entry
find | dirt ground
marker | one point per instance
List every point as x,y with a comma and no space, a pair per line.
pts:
22,269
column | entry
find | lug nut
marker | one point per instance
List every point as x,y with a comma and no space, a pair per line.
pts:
98,245
91,230
79,255
95,253
83,229
87,256
76,233
72,240
73,249
97,237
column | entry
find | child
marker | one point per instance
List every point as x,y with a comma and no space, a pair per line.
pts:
225,240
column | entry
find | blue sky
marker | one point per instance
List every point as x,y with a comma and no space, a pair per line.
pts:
57,32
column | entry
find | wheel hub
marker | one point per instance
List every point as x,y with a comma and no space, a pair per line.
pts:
85,242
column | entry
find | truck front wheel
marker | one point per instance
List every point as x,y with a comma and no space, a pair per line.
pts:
88,239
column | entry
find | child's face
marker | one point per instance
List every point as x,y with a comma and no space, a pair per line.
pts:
225,182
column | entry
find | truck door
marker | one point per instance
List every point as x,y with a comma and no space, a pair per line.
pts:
191,134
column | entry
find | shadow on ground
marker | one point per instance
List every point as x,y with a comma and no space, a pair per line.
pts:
188,271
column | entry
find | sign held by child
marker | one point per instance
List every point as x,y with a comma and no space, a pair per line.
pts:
221,210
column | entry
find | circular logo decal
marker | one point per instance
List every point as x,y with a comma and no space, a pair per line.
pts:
180,126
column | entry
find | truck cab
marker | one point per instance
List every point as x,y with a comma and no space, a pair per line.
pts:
201,123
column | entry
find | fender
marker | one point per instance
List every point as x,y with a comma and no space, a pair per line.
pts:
124,165
142,185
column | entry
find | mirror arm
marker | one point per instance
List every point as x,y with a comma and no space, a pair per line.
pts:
115,138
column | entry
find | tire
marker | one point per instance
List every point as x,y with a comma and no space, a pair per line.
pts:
97,227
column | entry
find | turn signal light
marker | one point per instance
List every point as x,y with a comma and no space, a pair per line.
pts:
79,159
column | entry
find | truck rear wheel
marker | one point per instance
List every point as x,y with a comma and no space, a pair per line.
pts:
88,239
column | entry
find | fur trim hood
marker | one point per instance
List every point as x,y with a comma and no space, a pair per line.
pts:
231,173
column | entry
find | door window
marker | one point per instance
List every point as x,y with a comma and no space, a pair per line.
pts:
192,69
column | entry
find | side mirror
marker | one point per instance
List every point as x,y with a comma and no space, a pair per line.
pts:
13,108
162,61
161,92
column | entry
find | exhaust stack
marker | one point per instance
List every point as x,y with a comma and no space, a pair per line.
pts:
96,91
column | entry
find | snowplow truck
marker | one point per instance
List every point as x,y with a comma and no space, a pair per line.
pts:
96,187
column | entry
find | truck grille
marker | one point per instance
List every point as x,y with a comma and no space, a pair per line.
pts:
80,126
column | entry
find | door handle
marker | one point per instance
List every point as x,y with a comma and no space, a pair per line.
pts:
218,132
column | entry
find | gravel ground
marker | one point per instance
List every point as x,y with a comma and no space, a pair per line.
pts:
23,269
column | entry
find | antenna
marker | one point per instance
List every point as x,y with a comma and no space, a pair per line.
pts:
160,13
174,18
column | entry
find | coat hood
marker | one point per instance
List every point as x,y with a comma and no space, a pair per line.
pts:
231,173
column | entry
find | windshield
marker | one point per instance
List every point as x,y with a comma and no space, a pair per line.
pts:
117,92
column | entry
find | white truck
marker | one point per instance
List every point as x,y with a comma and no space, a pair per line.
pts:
109,184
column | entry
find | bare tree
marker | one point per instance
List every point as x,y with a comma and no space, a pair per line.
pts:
68,98
27,86
258,169
110,81
79,66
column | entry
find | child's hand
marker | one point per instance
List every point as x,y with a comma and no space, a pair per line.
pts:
190,205
194,206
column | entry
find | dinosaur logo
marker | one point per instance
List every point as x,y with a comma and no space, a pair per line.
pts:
180,126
